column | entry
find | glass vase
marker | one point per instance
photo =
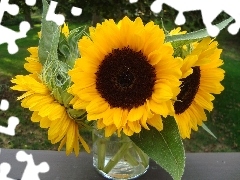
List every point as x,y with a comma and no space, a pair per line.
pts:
118,157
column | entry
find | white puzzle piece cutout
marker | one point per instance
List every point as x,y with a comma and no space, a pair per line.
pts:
51,16
12,121
133,1
4,170
10,129
7,35
12,9
31,171
4,105
30,2
209,9
76,11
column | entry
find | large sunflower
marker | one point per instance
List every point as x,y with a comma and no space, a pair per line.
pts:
126,76
46,109
201,78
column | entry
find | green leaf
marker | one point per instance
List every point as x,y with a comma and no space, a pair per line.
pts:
48,28
196,35
77,114
164,147
51,67
68,47
208,130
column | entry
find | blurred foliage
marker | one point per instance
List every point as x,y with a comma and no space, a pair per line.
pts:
95,11
193,18
25,13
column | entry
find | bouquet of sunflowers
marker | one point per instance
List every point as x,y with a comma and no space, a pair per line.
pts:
138,82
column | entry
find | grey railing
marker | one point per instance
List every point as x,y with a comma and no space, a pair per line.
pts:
199,166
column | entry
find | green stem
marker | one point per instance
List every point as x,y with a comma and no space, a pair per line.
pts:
116,158
101,153
130,159
144,157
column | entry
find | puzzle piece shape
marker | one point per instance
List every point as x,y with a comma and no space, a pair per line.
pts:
4,105
209,9
12,121
12,9
9,36
51,16
30,2
133,1
31,171
76,11
4,170
10,130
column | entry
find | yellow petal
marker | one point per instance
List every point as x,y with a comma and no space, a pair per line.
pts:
184,126
204,100
134,126
162,94
117,117
156,121
109,130
35,117
64,128
97,105
70,138
63,142
135,113
45,123
160,108
127,131
85,145
100,124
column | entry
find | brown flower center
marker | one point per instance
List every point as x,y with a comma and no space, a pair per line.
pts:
189,88
125,79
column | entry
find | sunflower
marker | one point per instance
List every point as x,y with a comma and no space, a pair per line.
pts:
201,78
46,109
126,76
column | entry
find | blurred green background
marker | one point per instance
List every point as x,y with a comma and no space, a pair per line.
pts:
224,120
